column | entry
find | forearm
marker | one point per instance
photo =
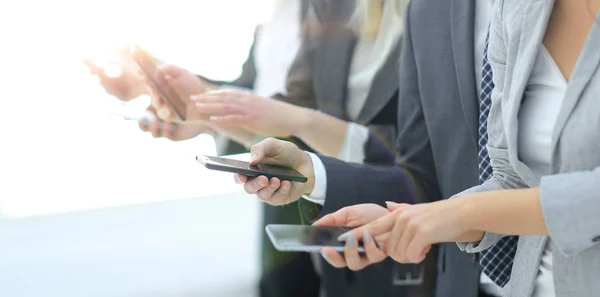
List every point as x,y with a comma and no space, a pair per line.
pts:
512,212
322,132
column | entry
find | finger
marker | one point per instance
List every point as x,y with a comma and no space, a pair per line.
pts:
372,253
231,120
256,184
400,237
239,178
417,249
392,206
353,260
155,128
169,70
266,193
338,218
94,69
165,114
375,228
220,108
283,194
220,96
144,124
333,257
170,130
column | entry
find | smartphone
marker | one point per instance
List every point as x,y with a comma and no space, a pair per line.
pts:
241,167
148,65
301,238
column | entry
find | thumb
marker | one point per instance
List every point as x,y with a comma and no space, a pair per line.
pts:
257,153
337,218
265,151
170,70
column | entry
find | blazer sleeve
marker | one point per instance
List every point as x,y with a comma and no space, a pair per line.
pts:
504,176
411,178
570,205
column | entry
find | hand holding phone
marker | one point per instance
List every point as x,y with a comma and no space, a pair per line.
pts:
241,167
149,67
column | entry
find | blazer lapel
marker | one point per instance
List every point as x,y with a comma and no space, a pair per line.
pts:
383,87
331,74
463,23
587,65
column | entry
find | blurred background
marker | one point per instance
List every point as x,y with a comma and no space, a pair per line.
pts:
86,206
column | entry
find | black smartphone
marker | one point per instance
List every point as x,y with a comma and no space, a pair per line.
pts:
148,64
301,238
241,167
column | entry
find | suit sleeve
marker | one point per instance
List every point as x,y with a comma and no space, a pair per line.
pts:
504,176
411,178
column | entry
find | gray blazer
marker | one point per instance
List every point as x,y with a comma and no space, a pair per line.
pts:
569,197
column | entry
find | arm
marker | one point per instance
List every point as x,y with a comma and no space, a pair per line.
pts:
504,176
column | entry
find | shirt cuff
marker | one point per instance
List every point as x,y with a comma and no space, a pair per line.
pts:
353,149
320,189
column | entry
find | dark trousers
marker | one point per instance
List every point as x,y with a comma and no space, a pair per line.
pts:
285,274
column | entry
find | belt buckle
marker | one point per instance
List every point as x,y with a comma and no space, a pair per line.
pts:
403,277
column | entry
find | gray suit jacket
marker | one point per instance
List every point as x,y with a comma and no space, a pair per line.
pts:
569,197
437,131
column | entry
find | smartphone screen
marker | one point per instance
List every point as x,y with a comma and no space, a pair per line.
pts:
236,166
300,238
149,68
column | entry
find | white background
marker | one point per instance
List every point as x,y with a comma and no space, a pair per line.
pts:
75,181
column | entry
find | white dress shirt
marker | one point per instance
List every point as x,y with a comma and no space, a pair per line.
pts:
543,100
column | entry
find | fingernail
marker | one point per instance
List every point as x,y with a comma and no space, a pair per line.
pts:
344,236
390,203
262,183
214,118
236,180
199,104
366,237
145,123
195,97
253,158
350,242
325,255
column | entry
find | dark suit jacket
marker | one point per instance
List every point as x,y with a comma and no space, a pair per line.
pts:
319,77
437,130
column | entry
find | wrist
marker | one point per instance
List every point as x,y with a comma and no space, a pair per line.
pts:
468,212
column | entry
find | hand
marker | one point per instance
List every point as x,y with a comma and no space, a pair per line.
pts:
125,83
275,191
184,84
412,229
257,114
173,131
354,216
